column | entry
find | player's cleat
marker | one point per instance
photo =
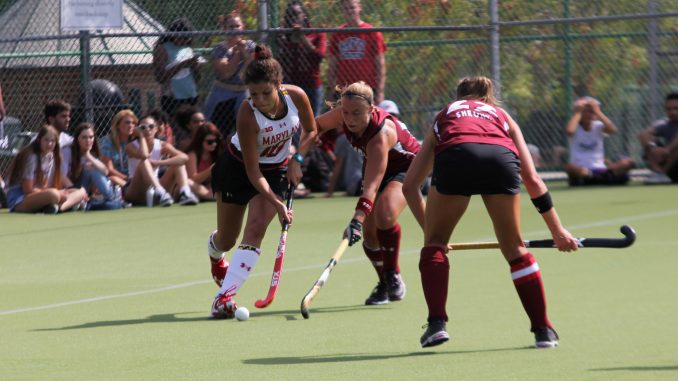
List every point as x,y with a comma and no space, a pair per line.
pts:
188,199
396,286
219,268
545,338
224,306
379,295
435,334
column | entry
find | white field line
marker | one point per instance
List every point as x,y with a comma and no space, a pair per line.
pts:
616,221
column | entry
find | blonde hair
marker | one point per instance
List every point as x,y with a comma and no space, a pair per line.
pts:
479,87
116,121
358,89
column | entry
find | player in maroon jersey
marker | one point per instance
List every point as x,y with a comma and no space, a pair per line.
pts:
475,147
388,148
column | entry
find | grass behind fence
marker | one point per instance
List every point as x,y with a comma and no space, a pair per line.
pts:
124,295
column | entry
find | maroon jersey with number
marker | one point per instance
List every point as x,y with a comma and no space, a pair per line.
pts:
400,155
472,121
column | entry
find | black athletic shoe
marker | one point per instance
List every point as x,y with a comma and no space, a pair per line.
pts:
545,338
379,295
396,286
436,334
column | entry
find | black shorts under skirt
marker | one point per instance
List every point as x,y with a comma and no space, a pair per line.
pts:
230,178
471,168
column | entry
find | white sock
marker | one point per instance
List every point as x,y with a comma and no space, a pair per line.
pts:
186,190
160,191
212,249
242,263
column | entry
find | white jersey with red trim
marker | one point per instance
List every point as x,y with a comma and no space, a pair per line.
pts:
275,135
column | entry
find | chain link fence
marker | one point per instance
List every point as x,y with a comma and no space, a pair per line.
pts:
543,55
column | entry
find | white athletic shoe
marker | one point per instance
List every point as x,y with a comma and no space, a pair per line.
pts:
188,199
657,178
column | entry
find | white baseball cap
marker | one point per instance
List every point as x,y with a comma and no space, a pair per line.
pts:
390,107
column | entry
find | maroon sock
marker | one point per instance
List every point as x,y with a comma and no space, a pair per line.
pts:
377,260
435,273
527,279
389,240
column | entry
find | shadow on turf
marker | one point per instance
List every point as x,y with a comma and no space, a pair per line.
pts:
637,368
295,360
175,318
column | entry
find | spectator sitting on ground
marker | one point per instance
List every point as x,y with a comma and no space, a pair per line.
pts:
347,172
188,119
88,172
202,154
113,146
165,132
146,154
36,183
58,114
586,130
660,142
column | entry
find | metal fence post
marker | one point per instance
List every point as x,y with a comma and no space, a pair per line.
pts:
569,93
495,61
86,74
262,26
652,27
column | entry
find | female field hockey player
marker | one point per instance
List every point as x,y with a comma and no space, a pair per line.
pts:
388,149
254,172
475,147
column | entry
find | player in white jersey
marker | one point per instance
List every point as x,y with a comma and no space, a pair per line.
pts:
254,172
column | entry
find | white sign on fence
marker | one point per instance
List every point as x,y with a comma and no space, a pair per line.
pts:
91,14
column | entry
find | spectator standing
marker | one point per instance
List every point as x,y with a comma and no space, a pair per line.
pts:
357,57
300,54
177,67
388,150
202,154
36,182
475,147
89,172
113,146
586,130
229,59
660,143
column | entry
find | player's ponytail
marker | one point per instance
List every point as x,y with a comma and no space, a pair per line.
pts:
263,68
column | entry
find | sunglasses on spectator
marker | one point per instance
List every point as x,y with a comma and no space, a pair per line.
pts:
144,127
210,141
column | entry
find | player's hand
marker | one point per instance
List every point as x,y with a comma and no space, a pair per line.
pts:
294,173
565,241
285,215
354,232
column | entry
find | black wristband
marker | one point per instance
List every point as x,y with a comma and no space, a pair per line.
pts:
543,203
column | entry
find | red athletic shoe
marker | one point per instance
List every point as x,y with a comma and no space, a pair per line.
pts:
219,269
224,307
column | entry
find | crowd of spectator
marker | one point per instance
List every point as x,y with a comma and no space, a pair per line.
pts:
166,156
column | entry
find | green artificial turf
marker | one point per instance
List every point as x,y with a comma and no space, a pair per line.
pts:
124,295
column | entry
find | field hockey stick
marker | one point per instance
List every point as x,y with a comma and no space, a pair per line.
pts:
280,255
308,298
618,243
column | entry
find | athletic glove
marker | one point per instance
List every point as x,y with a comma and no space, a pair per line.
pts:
354,232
